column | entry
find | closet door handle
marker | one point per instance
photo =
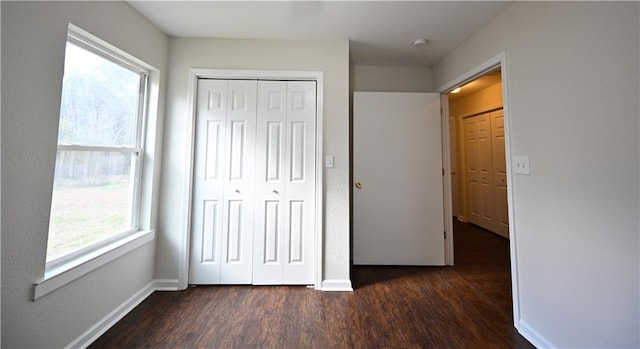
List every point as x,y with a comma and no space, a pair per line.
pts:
237,191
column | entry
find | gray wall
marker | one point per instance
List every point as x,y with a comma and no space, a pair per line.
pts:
572,79
33,45
331,57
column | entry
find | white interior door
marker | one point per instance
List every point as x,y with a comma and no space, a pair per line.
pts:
479,170
285,183
269,214
485,167
254,183
501,211
237,220
223,188
453,158
208,195
398,209
487,172
300,181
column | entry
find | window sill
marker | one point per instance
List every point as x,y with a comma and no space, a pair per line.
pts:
66,273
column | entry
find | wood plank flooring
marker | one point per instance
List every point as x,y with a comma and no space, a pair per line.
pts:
466,306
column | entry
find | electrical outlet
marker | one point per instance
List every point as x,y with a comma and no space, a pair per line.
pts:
521,164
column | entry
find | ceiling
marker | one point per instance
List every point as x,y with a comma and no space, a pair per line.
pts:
381,32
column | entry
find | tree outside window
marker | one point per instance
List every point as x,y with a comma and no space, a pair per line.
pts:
95,193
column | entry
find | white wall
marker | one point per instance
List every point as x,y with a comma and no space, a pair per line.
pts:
331,57
33,46
572,78
391,79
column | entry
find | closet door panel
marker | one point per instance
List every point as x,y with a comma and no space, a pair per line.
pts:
478,144
208,183
237,239
300,183
268,264
499,174
486,173
473,170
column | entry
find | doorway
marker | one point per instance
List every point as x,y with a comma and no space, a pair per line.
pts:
452,167
478,159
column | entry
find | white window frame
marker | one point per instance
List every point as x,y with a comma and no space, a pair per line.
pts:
68,267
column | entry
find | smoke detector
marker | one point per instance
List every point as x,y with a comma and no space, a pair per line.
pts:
420,42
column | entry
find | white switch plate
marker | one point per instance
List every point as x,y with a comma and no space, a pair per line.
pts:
521,164
328,161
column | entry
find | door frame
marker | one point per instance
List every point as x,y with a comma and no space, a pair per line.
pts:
498,61
198,73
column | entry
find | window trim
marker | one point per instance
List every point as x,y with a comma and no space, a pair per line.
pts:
80,39
65,273
64,269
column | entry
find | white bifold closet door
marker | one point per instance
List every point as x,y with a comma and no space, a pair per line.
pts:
285,183
254,183
223,186
486,172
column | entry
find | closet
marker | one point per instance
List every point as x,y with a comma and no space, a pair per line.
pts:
253,210
486,171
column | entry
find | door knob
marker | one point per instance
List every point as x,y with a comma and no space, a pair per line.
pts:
237,191
274,191
359,184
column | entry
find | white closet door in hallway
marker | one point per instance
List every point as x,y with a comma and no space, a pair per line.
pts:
479,169
499,173
254,183
486,171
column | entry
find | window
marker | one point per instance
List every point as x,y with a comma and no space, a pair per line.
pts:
96,191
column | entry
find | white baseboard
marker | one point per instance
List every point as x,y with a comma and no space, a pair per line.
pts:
166,285
337,285
112,318
102,326
534,336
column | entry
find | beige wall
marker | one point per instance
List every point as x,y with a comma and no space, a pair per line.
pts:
483,100
330,57
33,47
391,79
572,83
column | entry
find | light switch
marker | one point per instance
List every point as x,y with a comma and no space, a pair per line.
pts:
328,161
521,164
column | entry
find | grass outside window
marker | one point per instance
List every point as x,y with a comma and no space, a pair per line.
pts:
95,193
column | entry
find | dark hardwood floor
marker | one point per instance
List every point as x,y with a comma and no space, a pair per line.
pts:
466,306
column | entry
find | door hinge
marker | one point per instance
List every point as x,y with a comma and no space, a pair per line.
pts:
445,235
443,172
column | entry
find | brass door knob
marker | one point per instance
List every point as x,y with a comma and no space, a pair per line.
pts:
358,184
